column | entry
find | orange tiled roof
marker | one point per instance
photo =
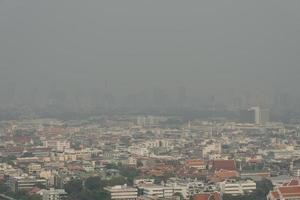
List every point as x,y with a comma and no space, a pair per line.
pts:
212,196
290,190
195,162
224,164
223,174
275,194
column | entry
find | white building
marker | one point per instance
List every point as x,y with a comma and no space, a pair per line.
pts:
53,194
57,145
138,150
262,116
159,143
161,191
34,169
122,192
147,181
234,187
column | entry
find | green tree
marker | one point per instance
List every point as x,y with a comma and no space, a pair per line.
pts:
117,181
178,194
264,187
139,163
35,197
94,183
3,188
74,186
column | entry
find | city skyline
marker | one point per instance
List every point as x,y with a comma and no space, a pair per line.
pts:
128,51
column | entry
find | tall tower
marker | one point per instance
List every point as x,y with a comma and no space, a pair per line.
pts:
256,114
261,115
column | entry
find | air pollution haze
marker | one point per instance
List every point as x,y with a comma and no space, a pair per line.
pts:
81,55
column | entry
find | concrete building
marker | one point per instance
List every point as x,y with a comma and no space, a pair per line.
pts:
262,116
34,169
54,194
247,116
122,192
234,187
164,191
24,183
57,145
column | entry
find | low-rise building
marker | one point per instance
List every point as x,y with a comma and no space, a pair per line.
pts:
25,183
164,191
286,191
122,192
53,194
234,187
196,164
34,169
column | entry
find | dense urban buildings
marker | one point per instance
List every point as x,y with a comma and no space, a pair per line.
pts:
149,100
150,157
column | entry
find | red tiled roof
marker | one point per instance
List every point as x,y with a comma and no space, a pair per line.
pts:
201,197
195,162
207,196
224,164
294,182
275,195
287,190
226,174
290,190
34,190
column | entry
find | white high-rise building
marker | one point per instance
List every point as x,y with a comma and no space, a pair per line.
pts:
256,114
261,116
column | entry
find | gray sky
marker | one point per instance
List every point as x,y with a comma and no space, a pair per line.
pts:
209,47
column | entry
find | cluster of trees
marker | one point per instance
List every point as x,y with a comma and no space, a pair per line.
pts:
263,189
93,187
9,160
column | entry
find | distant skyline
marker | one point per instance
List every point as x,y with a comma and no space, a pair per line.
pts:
131,52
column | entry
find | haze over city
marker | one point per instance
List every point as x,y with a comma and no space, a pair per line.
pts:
149,100
149,53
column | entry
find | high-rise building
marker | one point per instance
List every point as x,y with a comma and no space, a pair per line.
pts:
255,115
262,115
247,116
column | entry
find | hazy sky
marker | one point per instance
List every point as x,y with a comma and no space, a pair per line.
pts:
206,46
